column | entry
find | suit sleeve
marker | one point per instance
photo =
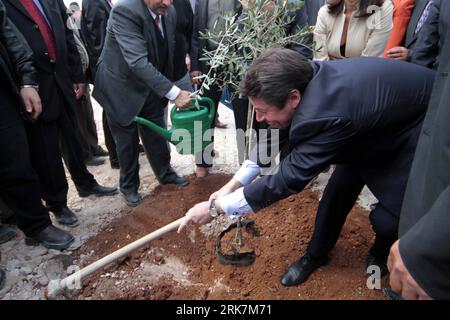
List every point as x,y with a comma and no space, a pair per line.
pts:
316,145
18,50
75,65
427,47
133,45
425,249
382,27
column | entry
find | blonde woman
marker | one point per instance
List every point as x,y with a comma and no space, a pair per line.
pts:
352,28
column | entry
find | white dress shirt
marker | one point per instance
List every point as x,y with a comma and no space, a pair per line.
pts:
234,204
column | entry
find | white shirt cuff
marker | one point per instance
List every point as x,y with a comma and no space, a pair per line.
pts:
234,204
173,93
247,172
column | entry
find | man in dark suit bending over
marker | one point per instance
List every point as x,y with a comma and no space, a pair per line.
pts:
363,114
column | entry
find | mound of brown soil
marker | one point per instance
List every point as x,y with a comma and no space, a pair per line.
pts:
184,266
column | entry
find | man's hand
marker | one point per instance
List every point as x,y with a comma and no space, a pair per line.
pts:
183,100
399,53
78,88
401,280
32,102
195,74
198,214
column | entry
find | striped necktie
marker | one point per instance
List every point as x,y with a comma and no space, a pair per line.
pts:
424,17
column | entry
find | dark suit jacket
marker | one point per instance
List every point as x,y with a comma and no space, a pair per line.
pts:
127,74
425,219
411,35
67,69
364,111
16,57
94,20
432,35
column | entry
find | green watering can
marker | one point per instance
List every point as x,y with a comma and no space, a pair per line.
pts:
188,126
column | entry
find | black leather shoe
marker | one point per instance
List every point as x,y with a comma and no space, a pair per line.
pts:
94,162
372,261
2,278
301,269
51,238
66,217
100,152
96,190
175,179
132,199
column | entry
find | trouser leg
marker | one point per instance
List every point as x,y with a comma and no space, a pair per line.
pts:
46,160
240,112
385,224
19,184
127,142
156,148
109,139
86,126
338,199
71,150
204,159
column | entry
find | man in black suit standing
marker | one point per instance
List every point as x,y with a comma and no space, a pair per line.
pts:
95,14
19,184
336,115
43,24
134,78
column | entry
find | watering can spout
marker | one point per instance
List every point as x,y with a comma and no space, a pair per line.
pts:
166,134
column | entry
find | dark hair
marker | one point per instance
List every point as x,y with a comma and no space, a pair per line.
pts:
274,74
363,7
